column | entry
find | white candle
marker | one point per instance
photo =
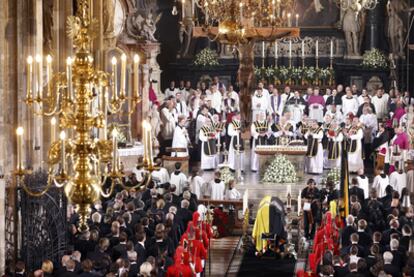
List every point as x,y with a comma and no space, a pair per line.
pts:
150,144
297,20
38,59
317,48
183,8
241,11
192,8
136,75
289,15
53,129
144,141
49,74
123,75
245,200
303,49
290,49
273,9
69,77
29,77
19,133
114,79
289,189
62,137
331,48
276,50
299,204
114,148
263,49
105,113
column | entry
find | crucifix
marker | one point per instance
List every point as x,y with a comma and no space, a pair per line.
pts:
245,45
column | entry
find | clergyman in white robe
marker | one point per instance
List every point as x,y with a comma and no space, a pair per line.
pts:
234,133
314,162
180,140
208,160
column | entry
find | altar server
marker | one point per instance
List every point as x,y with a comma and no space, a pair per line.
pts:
181,138
178,178
334,147
230,105
277,105
380,102
398,179
171,90
349,103
314,153
380,145
216,98
335,113
168,121
208,138
216,188
354,135
380,183
260,131
236,143
181,106
260,103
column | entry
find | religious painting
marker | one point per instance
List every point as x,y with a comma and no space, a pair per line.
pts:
317,13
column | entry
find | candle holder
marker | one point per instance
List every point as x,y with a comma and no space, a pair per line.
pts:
263,62
303,62
317,62
331,62
276,62
290,62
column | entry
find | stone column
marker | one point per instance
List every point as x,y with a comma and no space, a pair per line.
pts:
152,49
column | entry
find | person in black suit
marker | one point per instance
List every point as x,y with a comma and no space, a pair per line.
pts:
339,268
356,190
133,265
87,267
184,213
360,251
100,253
353,271
386,235
389,268
364,237
406,236
70,269
398,256
140,248
120,250
20,269
348,231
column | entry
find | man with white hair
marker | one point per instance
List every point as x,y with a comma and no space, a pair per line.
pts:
398,256
348,231
389,268
133,265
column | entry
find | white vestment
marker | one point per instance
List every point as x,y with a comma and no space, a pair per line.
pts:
233,194
233,162
381,105
296,111
171,92
260,105
217,190
355,161
349,105
380,183
179,180
334,163
168,123
161,175
180,141
196,184
316,112
398,181
363,183
216,101
207,161
315,164
254,166
181,108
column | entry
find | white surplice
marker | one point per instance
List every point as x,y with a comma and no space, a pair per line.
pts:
355,161
207,161
315,164
234,134
180,140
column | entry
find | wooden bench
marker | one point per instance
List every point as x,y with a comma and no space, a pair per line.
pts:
169,161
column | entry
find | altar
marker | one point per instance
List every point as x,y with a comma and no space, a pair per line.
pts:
293,153
129,156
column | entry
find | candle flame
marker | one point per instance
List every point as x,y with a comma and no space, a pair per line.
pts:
19,131
62,135
136,58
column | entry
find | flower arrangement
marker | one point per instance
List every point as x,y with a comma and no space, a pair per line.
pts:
335,175
280,170
324,73
206,58
226,174
284,73
269,72
296,73
309,73
374,59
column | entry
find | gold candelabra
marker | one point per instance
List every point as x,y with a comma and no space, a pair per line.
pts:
78,101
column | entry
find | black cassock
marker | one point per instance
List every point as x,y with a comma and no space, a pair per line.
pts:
210,147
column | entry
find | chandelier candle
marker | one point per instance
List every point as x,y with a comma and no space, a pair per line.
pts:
62,137
303,49
114,79
19,133
39,74
29,72
136,76
289,15
317,49
183,9
297,20
49,74
114,149
299,204
52,129
331,52
69,78
290,49
276,50
123,76
241,11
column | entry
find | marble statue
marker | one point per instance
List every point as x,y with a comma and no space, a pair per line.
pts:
47,25
108,17
351,26
393,71
395,27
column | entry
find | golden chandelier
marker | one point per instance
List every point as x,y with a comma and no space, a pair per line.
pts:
81,161
235,17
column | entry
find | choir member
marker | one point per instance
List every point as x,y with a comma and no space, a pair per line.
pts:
349,103
380,183
354,135
230,105
260,103
334,147
171,90
232,193
380,102
363,182
296,105
236,143
181,138
277,105
335,113
334,99
216,98
260,130
168,120
314,163
181,105
208,138
398,179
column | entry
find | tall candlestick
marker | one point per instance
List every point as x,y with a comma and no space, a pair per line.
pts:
289,15
19,133
263,49
317,48
192,8
273,9
38,59
136,76
297,20
331,55
49,74
150,144
115,79
276,50
303,49
299,204
53,129
144,141
123,75
183,8
62,137
105,113
69,77
278,8
29,77
290,49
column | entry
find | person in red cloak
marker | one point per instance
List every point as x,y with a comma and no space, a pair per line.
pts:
197,250
221,220
198,225
181,267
